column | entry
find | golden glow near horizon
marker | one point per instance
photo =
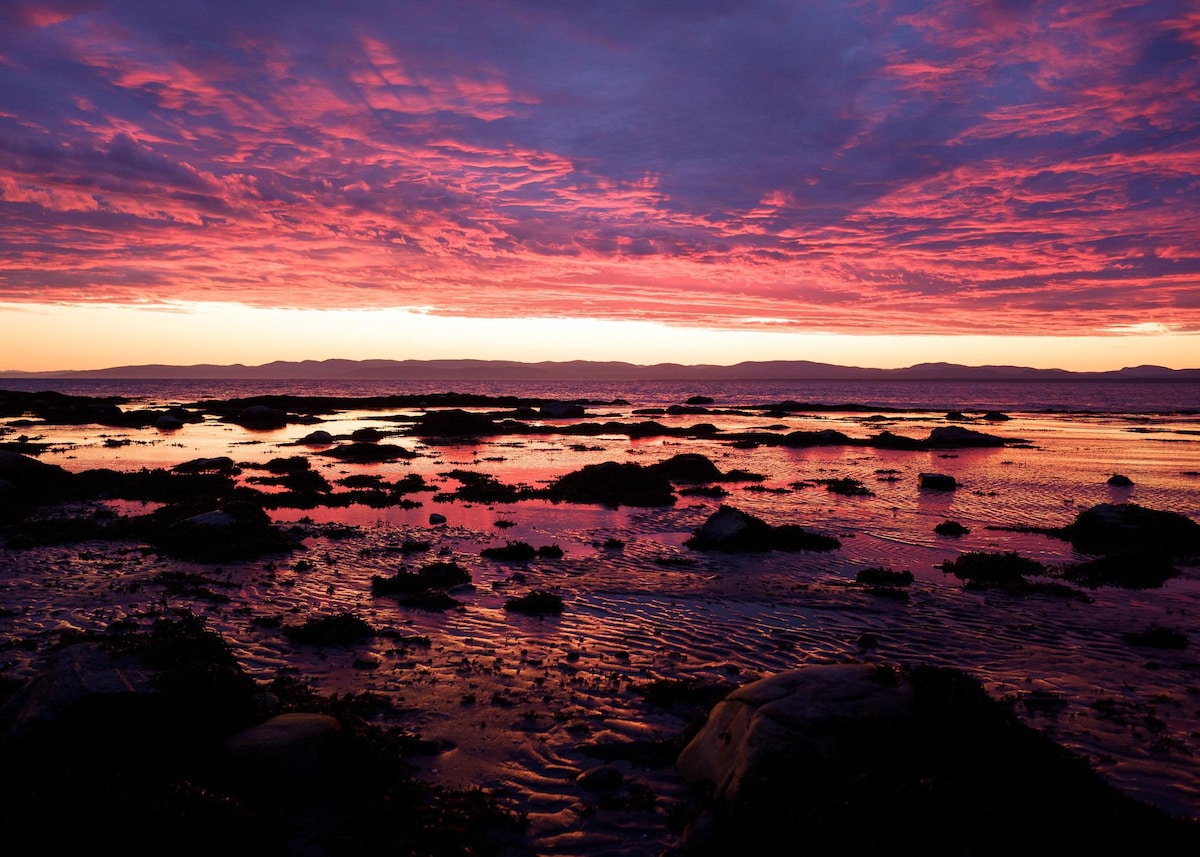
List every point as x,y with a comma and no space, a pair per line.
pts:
39,337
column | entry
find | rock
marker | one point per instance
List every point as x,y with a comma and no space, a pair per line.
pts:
956,437
511,552
951,528
366,452
261,417
996,416
1117,527
168,423
294,750
174,683
889,440
956,416
217,519
536,603
614,484
367,435
218,464
825,437
601,778
561,410
1119,481
699,400
32,481
687,467
436,518
731,530
859,759
879,576
1126,569
79,676
245,532
316,438
936,481
455,423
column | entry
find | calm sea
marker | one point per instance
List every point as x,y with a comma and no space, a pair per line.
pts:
1138,397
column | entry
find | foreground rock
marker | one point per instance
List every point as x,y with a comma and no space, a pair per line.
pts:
26,482
856,759
155,741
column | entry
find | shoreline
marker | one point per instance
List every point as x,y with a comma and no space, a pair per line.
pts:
652,611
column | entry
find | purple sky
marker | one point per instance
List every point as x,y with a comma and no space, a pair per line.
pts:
1007,167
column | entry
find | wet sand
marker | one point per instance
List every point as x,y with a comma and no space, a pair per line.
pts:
653,632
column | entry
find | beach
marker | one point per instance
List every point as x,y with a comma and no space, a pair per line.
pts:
648,630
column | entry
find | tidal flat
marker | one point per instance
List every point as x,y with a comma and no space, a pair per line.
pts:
533,596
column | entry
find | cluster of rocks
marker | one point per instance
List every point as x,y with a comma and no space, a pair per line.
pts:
154,738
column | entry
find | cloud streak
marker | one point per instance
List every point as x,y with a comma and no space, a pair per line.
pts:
884,167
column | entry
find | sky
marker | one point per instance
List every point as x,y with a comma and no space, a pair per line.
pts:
865,183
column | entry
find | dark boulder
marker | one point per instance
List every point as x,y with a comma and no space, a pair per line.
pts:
368,434
1117,527
561,410
936,481
298,750
536,603
217,464
173,682
687,467
825,437
261,417
613,484
238,530
730,530
365,452
951,528
456,423
957,437
860,759
1126,569
1118,480
316,438
31,481
889,440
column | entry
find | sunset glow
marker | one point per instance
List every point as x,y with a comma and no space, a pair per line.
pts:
872,184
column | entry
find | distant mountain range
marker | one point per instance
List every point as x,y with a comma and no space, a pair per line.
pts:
585,370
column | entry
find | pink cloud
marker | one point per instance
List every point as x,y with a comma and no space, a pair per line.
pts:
964,169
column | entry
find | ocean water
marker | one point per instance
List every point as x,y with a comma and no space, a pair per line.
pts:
1118,397
657,610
